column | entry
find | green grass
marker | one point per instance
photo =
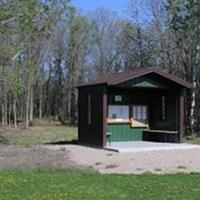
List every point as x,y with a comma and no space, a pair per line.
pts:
39,135
75,185
193,141
82,185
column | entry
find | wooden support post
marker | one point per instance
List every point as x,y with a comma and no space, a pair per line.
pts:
181,116
104,117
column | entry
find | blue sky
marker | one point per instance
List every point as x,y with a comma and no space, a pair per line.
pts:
119,6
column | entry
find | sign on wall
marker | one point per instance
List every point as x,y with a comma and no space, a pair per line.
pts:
118,98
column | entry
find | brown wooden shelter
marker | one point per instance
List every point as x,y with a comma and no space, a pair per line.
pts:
144,104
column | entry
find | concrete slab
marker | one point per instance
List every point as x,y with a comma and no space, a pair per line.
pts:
142,146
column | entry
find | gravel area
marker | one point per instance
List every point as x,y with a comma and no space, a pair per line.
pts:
103,161
159,162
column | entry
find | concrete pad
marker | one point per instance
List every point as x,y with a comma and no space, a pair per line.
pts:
143,146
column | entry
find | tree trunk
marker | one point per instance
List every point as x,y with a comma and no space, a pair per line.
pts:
193,102
27,105
194,82
140,46
69,105
14,111
40,104
31,107
5,108
2,113
9,111
73,106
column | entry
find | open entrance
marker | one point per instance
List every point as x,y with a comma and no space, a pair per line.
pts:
142,115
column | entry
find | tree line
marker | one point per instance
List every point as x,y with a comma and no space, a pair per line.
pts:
49,47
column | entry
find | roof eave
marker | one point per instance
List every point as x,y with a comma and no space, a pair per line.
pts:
175,79
161,73
91,84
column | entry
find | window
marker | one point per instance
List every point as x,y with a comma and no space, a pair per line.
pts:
118,112
139,116
89,109
140,113
163,108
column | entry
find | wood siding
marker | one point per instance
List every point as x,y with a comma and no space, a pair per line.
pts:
171,122
181,115
94,134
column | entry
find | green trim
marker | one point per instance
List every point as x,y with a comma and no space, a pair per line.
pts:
143,82
146,84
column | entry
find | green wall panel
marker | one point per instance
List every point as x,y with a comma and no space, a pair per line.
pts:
146,84
124,132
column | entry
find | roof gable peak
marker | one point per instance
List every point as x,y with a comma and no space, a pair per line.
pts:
138,72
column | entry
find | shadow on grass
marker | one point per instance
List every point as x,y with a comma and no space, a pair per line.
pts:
63,142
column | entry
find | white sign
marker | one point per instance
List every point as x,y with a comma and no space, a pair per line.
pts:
118,98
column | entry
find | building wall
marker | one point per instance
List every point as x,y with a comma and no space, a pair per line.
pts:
92,135
171,122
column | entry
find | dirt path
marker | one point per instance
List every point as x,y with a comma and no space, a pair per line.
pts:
12,157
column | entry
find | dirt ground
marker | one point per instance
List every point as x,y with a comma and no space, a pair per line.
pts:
159,162
103,161
12,157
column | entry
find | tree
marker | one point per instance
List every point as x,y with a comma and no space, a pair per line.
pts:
186,26
106,51
25,29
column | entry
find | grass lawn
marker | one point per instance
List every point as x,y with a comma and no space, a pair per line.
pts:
36,135
193,141
75,185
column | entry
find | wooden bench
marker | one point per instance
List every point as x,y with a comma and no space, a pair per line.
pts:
108,137
149,134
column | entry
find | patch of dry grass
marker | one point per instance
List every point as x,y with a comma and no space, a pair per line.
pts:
38,134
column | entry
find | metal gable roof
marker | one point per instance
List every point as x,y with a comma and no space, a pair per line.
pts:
125,76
